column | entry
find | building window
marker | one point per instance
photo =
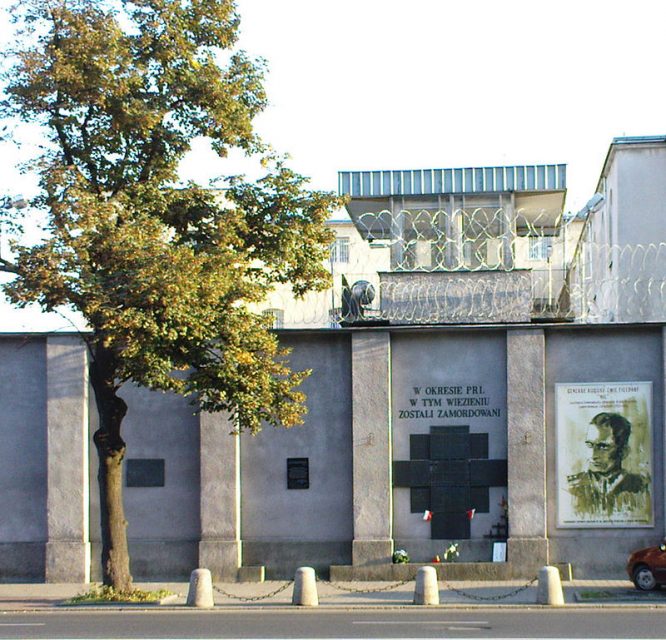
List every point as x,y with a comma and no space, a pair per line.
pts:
540,248
277,316
340,250
334,317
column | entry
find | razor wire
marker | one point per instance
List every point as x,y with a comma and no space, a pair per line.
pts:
484,265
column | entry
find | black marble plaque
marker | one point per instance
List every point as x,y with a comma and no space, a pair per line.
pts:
449,473
453,446
478,445
419,499
419,447
488,473
449,526
411,473
144,472
450,498
298,473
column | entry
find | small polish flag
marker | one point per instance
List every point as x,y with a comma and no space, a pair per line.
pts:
470,513
427,515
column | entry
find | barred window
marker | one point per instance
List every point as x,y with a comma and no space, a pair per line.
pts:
540,248
340,250
277,316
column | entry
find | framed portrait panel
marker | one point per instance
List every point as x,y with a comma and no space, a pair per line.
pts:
604,454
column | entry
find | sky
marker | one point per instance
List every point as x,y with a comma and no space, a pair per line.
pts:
388,84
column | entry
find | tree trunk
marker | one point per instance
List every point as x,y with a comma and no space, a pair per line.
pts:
111,451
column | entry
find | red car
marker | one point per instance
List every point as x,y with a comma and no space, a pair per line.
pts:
647,567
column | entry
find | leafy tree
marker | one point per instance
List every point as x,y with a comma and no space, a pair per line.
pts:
164,276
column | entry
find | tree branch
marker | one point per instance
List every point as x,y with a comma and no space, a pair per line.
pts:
7,267
120,176
85,138
149,156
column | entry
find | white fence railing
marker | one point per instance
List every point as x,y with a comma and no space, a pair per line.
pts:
485,265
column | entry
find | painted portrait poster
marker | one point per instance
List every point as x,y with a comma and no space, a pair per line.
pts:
604,454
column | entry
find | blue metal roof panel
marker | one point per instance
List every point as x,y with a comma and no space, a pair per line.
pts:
468,180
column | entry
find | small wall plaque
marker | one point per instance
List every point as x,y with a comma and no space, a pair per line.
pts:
145,472
499,552
298,473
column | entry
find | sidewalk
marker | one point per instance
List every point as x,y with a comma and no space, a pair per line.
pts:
28,597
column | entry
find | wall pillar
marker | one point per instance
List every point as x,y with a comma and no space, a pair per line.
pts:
220,545
371,437
526,414
663,373
508,226
67,503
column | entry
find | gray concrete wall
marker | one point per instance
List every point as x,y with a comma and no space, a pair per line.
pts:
219,502
371,447
23,529
164,526
603,355
626,280
283,528
526,430
271,513
446,359
641,194
68,499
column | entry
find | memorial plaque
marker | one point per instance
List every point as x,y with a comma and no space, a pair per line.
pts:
449,526
488,473
449,447
453,472
298,473
419,447
449,473
419,498
450,498
144,472
478,445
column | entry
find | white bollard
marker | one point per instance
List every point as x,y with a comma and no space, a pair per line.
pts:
305,588
201,589
426,590
550,587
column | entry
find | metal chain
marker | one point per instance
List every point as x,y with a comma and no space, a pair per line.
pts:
286,585
501,596
390,587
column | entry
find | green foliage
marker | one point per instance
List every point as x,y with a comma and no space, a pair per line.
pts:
597,595
164,276
451,552
400,556
103,594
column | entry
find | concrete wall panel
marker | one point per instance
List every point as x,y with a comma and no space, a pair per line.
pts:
23,432
270,511
603,355
475,361
157,425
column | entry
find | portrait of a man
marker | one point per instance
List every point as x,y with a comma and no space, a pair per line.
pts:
604,454
606,487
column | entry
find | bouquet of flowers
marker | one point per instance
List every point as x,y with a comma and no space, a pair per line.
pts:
451,552
400,556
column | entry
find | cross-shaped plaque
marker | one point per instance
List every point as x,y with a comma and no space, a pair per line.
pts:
449,473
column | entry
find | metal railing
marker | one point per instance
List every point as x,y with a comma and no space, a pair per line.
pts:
484,265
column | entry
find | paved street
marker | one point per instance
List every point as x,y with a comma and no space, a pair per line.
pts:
321,623
594,609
